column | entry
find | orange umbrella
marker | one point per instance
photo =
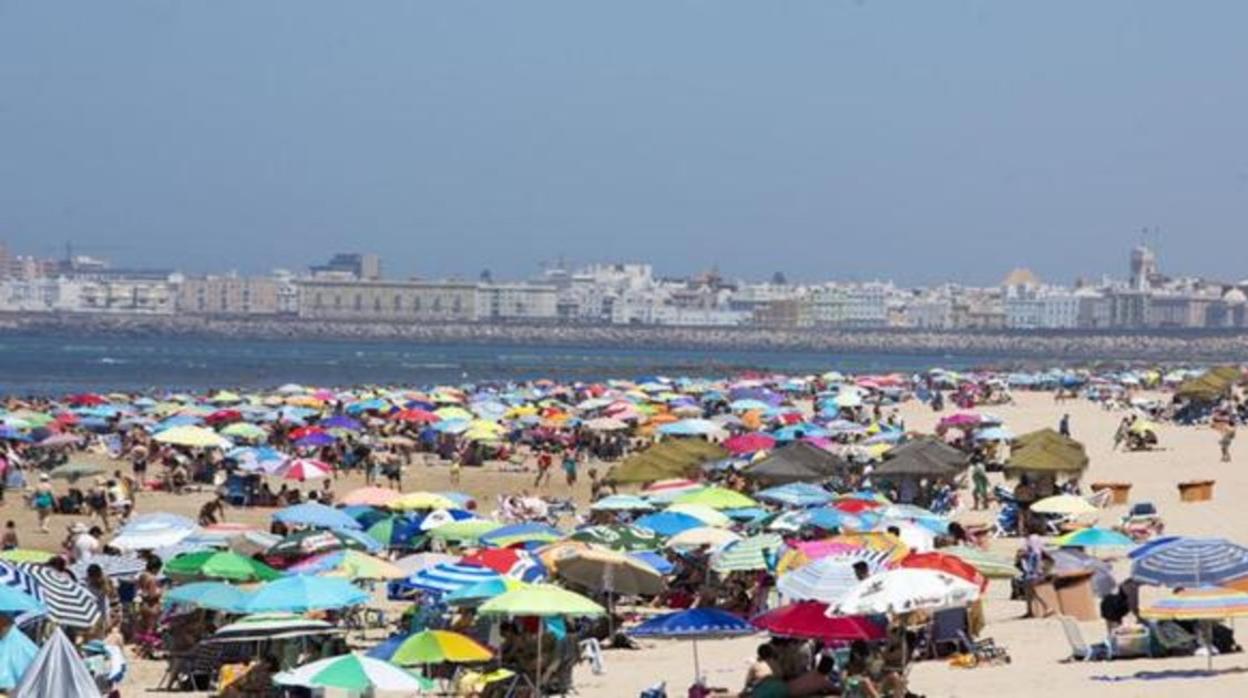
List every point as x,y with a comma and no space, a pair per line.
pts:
955,566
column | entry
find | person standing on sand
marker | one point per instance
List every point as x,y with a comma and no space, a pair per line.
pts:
1224,442
1063,427
979,486
544,462
44,500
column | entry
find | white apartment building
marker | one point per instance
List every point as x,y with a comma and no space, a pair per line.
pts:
519,301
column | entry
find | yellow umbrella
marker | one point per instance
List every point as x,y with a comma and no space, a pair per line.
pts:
1064,505
422,500
195,437
357,565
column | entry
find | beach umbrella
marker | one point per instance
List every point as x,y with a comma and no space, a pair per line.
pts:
26,555
371,496
73,471
152,531
356,673
315,542
703,513
1204,604
351,564
411,564
301,593
56,440
474,594
521,533
622,502
116,566
541,600
421,500
395,531
1094,538
988,564
317,515
16,602
217,596
901,591
518,564
305,469
809,620
465,532
827,579
955,566
618,537
668,523
439,646
748,554
611,572
1192,562
795,494
415,416
220,565
703,536
449,577
717,498
245,431
442,517
1064,504
68,602
192,437
694,624
261,627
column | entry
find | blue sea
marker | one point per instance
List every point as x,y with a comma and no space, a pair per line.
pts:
58,365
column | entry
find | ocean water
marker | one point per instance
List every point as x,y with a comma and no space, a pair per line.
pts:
58,365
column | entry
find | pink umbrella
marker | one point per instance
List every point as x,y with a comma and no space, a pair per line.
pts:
749,443
816,549
304,469
961,419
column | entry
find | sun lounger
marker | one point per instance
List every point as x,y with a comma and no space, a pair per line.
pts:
983,649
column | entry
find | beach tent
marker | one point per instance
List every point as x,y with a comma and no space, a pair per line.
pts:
926,457
57,670
1046,452
797,462
672,458
1210,386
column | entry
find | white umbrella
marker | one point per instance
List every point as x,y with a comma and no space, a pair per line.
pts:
905,590
700,536
353,672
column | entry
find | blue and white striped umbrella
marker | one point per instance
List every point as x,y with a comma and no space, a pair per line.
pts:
450,577
826,579
68,602
1192,562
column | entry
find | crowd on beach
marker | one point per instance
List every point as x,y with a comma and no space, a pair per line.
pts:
802,507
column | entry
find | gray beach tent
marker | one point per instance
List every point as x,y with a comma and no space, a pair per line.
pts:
797,462
57,671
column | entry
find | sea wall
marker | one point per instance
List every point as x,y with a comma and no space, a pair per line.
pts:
1081,345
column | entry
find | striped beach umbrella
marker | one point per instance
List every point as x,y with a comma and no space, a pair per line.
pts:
450,577
1205,604
115,566
68,602
305,469
828,580
1192,562
753,553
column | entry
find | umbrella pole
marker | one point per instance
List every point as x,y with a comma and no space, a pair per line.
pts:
697,669
541,622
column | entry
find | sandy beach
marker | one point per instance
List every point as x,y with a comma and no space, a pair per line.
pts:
1037,646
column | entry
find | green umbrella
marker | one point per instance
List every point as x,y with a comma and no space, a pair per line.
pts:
717,498
73,471
466,531
989,565
438,646
753,553
244,430
540,600
210,564
355,673
629,539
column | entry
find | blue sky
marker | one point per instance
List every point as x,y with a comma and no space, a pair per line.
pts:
916,140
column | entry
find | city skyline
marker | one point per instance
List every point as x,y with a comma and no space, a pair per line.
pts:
916,141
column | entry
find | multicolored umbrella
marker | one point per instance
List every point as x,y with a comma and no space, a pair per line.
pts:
1205,604
1192,562
464,532
988,564
521,533
955,566
305,469
439,646
350,564
356,673
619,537
748,554
1094,538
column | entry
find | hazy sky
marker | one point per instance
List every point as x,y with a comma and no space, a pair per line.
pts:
917,140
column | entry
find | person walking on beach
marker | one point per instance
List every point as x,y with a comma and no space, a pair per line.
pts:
544,461
979,485
1224,441
1063,427
569,466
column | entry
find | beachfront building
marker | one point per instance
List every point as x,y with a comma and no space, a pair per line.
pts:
387,301
514,302
122,294
229,296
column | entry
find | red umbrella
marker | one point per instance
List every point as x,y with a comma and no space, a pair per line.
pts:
416,416
809,620
749,443
224,417
501,560
302,432
945,563
86,400
853,505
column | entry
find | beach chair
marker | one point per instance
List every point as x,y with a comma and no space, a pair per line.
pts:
1006,523
948,629
983,649
1079,649
236,491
